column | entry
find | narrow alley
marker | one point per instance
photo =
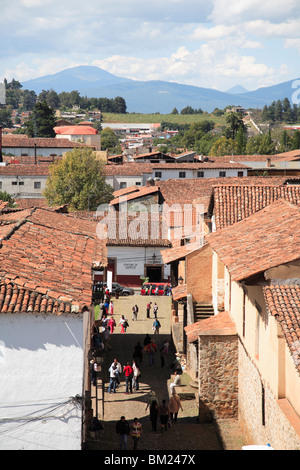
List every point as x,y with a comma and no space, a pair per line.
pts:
187,433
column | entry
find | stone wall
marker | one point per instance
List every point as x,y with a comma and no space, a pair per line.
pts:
260,415
218,377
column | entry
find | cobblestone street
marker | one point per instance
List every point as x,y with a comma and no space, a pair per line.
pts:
187,433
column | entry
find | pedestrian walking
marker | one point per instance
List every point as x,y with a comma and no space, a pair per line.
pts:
175,382
123,429
113,373
111,307
119,369
136,431
147,339
122,323
134,316
136,376
164,414
154,415
156,326
155,309
138,353
112,324
151,349
148,309
174,407
135,310
128,377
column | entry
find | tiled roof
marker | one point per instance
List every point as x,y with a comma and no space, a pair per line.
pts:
180,252
41,142
266,239
187,190
179,292
75,130
220,324
283,302
124,191
144,191
135,230
199,166
15,297
25,170
232,203
128,169
50,253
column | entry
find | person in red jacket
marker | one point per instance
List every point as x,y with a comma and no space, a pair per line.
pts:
128,377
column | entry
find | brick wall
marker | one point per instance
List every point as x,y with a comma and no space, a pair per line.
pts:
199,275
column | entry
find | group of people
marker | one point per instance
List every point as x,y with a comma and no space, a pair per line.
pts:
167,412
123,429
131,372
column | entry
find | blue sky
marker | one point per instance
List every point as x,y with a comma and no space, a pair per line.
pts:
214,44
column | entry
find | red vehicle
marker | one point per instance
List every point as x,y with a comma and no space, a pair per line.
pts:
155,288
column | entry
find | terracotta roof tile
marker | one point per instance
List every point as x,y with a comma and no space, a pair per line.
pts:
266,239
232,203
179,292
41,142
45,251
283,302
220,324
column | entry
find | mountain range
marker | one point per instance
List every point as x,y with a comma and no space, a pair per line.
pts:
155,96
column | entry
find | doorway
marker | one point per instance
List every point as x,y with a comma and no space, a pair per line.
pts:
154,273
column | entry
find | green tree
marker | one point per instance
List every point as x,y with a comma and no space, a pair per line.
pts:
241,140
109,140
5,117
295,141
235,122
224,146
78,180
28,100
4,196
41,121
51,98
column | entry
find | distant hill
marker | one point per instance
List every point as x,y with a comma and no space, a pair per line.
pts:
152,96
237,90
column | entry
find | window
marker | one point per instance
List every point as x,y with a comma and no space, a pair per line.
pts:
240,173
14,183
158,174
37,185
21,183
222,174
200,174
182,174
0,184
138,183
123,185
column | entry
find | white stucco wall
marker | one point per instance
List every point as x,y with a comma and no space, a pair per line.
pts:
131,260
41,367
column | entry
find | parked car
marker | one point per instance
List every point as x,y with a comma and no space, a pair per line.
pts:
154,288
122,290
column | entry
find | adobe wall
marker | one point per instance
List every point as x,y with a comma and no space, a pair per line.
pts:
218,377
254,407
